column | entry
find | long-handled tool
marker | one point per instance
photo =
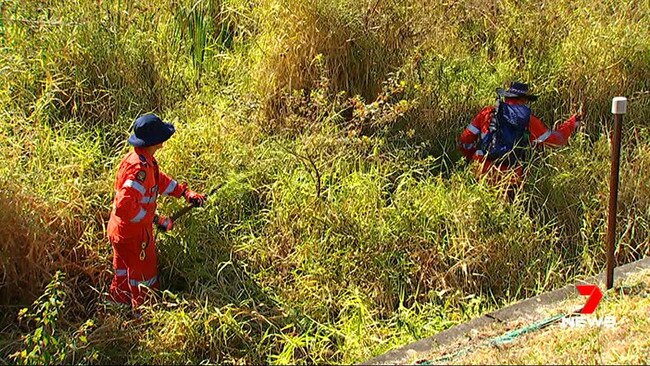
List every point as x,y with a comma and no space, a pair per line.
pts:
189,207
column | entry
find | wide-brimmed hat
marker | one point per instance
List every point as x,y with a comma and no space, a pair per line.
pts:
517,90
149,130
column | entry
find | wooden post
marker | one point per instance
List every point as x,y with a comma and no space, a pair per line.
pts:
619,107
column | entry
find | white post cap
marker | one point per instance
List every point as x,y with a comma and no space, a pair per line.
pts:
619,105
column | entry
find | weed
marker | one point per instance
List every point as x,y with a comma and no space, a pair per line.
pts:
48,343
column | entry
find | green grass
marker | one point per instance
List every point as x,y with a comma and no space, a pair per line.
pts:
348,224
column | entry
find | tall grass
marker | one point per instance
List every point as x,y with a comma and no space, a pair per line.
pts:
357,44
347,224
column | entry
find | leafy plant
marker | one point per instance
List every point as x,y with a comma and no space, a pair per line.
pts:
48,343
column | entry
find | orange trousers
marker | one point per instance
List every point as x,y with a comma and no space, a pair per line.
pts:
136,270
510,178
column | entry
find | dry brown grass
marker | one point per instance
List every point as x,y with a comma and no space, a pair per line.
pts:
352,44
27,246
35,242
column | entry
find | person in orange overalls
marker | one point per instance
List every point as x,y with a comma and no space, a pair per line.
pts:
497,141
138,184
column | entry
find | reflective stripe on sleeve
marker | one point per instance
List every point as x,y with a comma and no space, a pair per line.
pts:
139,216
473,129
135,185
120,272
467,146
148,282
148,199
543,138
170,188
479,153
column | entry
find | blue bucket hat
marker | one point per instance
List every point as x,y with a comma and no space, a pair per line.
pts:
517,90
149,130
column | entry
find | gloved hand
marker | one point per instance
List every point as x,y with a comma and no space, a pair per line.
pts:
194,198
163,223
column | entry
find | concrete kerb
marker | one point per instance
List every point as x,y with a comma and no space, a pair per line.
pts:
525,308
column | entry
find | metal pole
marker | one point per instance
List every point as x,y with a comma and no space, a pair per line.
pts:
619,107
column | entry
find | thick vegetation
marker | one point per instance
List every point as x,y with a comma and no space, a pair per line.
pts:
348,224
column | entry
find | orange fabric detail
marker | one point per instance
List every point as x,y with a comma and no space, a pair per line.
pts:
137,186
558,137
536,128
126,255
500,173
497,174
482,123
165,182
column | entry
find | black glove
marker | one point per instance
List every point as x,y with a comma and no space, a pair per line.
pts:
163,223
194,198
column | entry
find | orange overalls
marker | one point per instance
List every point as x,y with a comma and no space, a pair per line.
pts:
130,227
539,135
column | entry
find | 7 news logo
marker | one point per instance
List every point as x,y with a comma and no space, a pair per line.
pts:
586,318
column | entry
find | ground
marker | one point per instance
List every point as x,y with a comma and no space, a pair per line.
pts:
627,342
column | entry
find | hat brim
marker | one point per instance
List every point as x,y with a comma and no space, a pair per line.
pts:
507,94
163,136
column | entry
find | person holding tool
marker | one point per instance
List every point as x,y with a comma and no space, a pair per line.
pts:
499,136
138,184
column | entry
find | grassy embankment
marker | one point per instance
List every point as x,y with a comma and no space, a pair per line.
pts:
348,224
625,343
